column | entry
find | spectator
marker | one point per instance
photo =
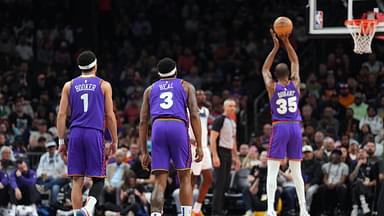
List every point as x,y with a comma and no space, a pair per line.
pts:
289,192
19,121
325,152
307,116
374,66
335,175
23,183
329,122
132,197
311,172
359,107
4,108
34,144
4,191
345,97
51,172
350,125
264,138
7,159
243,152
318,141
133,153
373,120
255,195
353,150
363,179
252,158
115,178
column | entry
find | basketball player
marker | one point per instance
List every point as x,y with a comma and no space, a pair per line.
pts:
89,100
166,102
286,140
205,166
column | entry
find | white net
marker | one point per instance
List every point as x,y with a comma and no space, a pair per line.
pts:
362,32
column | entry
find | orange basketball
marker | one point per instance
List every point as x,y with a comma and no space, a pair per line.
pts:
282,25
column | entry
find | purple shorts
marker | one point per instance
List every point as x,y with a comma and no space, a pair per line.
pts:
285,141
170,141
86,153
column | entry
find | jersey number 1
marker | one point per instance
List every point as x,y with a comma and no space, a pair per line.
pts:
84,98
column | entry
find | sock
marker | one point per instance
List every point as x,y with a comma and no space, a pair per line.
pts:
197,207
155,214
79,212
90,205
186,210
273,170
295,167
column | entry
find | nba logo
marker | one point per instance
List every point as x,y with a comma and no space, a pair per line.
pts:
319,20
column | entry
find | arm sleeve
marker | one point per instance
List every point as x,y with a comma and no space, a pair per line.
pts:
218,123
30,179
12,180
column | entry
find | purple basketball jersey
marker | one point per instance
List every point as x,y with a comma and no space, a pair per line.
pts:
168,99
87,103
285,103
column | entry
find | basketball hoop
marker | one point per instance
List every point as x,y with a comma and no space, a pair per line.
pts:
362,31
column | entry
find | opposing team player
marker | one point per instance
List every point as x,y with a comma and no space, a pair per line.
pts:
166,102
286,140
88,98
203,167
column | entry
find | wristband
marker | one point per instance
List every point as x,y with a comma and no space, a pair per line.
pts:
61,142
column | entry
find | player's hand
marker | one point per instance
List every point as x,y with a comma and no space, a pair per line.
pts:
145,161
216,161
18,194
274,38
113,148
18,173
284,38
199,154
63,150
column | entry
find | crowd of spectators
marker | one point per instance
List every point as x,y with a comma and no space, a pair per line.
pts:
219,47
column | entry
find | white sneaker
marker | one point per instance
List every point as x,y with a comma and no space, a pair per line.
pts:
304,213
111,213
272,213
248,213
366,209
355,210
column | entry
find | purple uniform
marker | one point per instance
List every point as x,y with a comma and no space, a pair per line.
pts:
168,107
86,148
286,140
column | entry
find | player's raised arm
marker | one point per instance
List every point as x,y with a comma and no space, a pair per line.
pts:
143,127
195,119
110,114
295,76
62,116
266,71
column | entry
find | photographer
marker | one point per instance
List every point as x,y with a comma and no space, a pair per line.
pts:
363,179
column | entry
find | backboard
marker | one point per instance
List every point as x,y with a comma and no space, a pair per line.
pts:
326,17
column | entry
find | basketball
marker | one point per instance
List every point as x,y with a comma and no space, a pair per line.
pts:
282,25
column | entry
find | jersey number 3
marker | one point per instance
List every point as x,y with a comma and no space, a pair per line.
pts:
167,97
286,105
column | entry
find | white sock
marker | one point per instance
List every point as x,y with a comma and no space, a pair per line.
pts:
155,214
295,167
186,210
197,207
273,170
90,205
